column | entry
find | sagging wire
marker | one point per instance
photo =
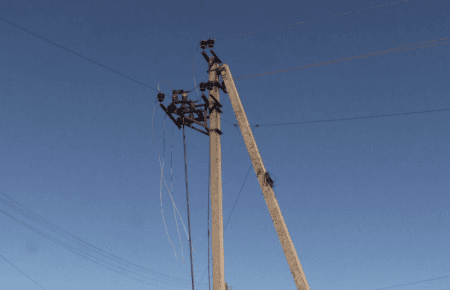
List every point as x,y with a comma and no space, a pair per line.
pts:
160,188
193,72
173,203
86,255
162,175
313,20
22,272
11,203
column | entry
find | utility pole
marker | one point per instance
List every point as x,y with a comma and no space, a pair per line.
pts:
212,104
265,182
216,174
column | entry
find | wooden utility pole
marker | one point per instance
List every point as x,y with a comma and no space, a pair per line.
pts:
265,182
216,183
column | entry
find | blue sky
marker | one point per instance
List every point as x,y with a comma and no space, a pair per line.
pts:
365,200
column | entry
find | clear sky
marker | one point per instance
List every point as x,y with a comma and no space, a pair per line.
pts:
365,200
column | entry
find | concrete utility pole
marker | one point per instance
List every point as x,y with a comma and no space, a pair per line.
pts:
216,183
213,105
265,182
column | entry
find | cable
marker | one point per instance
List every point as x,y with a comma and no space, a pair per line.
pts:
353,118
357,118
193,71
235,202
289,25
22,272
382,52
445,277
85,255
189,213
209,179
71,51
171,196
160,190
171,187
36,218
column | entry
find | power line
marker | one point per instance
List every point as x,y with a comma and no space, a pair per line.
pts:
54,228
353,118
378,53
22,272
439,278
235,202
171,186
227,219
80,253
160,189
321,121
289,25
71,51
163,178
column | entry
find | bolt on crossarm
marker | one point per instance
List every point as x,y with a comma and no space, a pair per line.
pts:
264,179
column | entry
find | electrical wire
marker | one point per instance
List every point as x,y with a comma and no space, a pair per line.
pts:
209,191
333,16
53,228
71,51
42,222
237,198
171,188
90,248
402,48
159,156
193,71
22,272
85,255
160,190
371,54
189,212
352,118
439,278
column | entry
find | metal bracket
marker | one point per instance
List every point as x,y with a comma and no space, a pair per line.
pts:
268,179
216,130
216,105
170,115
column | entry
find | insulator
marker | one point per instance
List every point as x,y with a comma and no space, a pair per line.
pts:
210,42
180,111
161,97
203,44
200,116
184,96
209,85
171,108
174,98
202,87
